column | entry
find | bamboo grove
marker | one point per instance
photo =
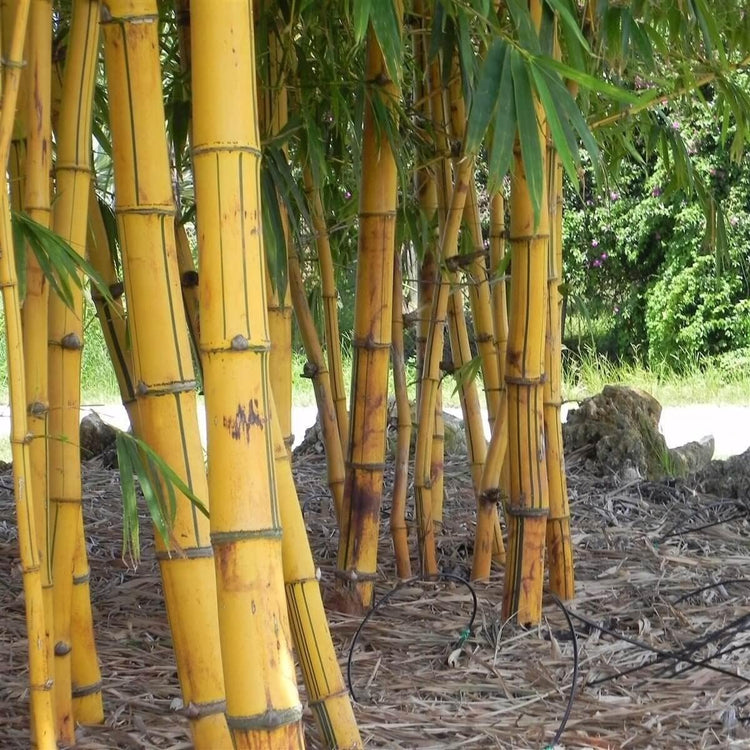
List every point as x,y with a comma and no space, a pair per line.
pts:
427,143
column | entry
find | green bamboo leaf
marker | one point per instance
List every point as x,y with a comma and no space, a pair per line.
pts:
504,131
528,133
168,474
151,492
524,24
130,527
552,109
60,264
19,247
465,375
486,96
568,21
387,28
361,17
593,83
570,111
273,234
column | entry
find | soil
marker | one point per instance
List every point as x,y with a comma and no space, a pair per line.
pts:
642,553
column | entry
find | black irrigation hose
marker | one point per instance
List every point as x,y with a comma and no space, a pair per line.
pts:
727,582
671,655
576,660
464,636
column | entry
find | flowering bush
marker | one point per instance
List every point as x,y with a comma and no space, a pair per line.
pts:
637,255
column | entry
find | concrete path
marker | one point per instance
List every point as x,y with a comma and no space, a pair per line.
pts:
730,425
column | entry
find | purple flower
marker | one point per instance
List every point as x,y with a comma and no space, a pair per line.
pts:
597,263
675,125
656,192
347,194
594,243
614,195
616,309
734,220
604,256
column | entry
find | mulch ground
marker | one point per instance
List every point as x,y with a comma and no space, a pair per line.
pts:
642,553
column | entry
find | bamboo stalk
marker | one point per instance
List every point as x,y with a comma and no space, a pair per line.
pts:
70,221
330,298
17,156
40,676
399,529
263,707
36,201
189,284
358,545
481,307
316,369
427,191
279,299
528,504
431,374
162,359
327,694
112,315
559,545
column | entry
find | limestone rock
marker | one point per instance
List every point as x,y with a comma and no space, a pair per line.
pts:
730,478
97,438
617,432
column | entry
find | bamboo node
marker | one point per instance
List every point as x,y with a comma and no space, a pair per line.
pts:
270,719
12,63
79,580
239,343
355,575
447,366
62,648
493,495
189,279
38,409
84,690
190,553
197,710
369,343
219,538
71,341
517,512
310,370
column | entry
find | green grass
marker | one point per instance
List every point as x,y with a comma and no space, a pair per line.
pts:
98,382
724,380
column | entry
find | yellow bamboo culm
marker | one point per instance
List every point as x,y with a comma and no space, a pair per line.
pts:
435,104
327,694
280,311
528,505
263,709
431,374
559,545
162,359
399,529
112,315
330,297
40,676
17,156
189,284
316,368
36,201
360,521
70,221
